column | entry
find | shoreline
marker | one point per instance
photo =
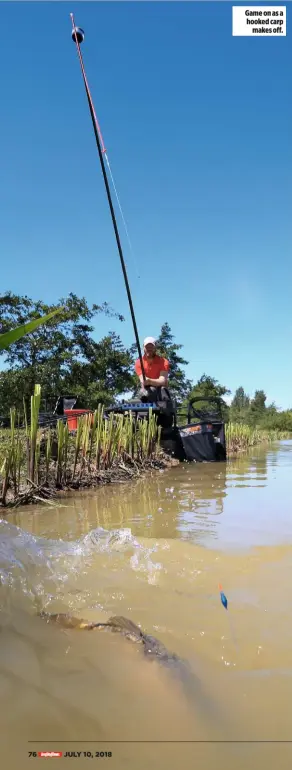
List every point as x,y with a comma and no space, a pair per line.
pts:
50,492
59,476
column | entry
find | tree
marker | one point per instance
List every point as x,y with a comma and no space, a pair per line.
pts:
207,386
239,408
62,355
107,373
179,384
240,400
257,407
258,402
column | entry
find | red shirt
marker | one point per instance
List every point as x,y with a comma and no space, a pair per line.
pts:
152,367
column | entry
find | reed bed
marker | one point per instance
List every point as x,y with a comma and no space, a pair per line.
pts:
241,437
12,461
36,463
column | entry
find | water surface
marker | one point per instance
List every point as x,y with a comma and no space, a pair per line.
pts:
154,551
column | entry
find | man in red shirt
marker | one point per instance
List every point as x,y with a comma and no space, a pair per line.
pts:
156,370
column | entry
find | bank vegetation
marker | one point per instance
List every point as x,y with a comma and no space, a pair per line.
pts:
36,464
240,437
54,346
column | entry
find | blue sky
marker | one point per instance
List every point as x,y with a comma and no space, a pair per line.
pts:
197,126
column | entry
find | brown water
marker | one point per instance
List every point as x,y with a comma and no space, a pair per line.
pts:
154,551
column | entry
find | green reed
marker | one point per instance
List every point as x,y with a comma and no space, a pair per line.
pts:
241,437
108,440
84,441
37,456
27,438
147,438
98,420
94,431
13,459
7,467
86,430
34,421
130,436
65,451
78,440
48,453
62,452
60,440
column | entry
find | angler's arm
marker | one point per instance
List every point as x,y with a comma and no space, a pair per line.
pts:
160,382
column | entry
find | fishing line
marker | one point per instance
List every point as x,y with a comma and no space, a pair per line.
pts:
103,149
122,215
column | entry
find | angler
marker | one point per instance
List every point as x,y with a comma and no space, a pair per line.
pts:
156,370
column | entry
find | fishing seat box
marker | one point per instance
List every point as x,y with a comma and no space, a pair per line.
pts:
198,442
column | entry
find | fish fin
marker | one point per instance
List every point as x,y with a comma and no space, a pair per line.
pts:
124,624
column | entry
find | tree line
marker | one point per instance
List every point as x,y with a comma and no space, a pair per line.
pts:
64,358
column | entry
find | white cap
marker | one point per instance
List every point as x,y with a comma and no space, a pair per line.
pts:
149,341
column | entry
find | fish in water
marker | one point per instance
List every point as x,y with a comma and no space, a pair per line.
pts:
152,647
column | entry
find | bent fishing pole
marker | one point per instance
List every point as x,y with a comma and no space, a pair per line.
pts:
78,37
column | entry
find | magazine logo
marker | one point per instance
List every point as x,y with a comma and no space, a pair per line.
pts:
48,754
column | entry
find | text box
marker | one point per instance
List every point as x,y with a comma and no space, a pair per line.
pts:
259,20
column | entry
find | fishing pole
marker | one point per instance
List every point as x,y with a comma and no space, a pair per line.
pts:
78,37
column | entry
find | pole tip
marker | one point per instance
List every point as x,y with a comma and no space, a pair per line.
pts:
78,33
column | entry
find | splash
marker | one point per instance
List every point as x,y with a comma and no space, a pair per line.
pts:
146,565
43,570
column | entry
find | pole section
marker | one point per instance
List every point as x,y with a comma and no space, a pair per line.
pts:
78,37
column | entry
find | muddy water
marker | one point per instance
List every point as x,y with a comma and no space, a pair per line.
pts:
154,551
